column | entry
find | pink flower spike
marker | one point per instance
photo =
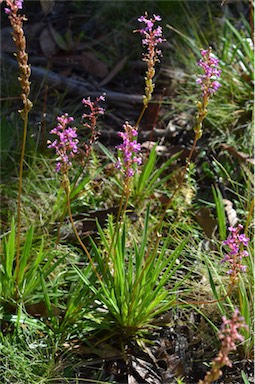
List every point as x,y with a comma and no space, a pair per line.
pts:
152,36
234,257
90,120
128,149
66,145
207,81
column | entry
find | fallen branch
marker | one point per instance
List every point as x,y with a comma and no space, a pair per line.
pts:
72,86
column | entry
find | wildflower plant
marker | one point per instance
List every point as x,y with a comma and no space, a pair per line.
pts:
235,266
128,153
133,279
132,274
235,242
66,145
152,36
90,120
209,85
229,336
16,20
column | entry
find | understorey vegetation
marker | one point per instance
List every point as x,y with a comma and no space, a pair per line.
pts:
126,193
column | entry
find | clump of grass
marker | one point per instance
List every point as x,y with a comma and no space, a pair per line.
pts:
26,359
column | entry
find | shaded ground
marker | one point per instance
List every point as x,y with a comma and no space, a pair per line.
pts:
176,352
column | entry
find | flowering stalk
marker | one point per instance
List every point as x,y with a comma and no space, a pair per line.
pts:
151,38
16,20
235,243
209,85
127,162
128,149
94,112
66,146
229,335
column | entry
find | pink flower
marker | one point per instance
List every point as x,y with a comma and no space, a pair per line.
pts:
235,243
66,144
209,64
215,85
13,6
128,150
19,3
152,36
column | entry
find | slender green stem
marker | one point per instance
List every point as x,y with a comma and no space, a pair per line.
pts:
180,183
64,211
141,116
158,227
66,186
60,225
20,192
125,192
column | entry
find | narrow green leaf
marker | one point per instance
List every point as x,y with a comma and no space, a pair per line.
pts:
47,302
245,378
220,212
147,170
144,240
244,302
26,252
242,39
10,251
160,170
80,187
106,151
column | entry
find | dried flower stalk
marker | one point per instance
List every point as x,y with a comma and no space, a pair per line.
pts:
16,21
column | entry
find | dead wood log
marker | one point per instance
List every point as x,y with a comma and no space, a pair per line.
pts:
75,87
